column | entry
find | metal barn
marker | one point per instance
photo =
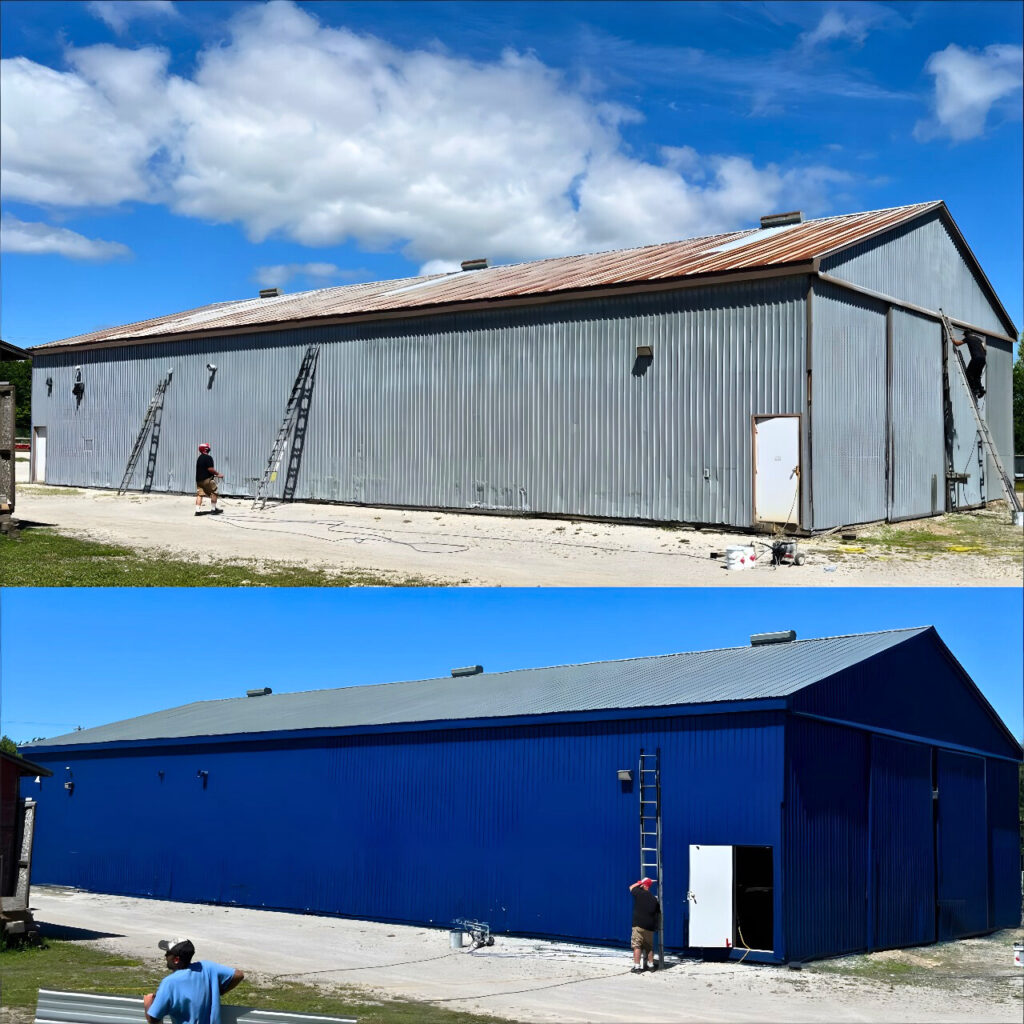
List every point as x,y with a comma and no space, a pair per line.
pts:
790,374
815,797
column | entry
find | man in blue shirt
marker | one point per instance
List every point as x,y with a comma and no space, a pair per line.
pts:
191,993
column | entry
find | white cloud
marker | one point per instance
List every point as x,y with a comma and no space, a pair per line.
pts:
21,236
280,274
835,25
967,86
443,157
118,14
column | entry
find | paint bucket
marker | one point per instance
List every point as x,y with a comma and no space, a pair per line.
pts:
740,556
455,938
1018,954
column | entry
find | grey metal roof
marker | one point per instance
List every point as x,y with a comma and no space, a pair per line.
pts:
731,674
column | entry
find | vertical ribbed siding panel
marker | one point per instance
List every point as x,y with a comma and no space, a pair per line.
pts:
825,829
848,382
525,827
526,410
902,868
968,454
962,845
998,410
921,264
918,453
1004,844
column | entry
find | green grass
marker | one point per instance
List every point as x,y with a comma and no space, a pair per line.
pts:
73,967
986,533
40,558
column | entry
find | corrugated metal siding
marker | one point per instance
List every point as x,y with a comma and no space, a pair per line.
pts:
526,828
902,870
916,689
826,840
917,453
962,845
525,410
1005,866
998,409
848,387
968,454
919,263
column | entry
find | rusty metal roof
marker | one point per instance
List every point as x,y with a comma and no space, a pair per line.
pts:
750,250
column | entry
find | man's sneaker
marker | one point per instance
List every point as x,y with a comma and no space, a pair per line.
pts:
636,970
217,511
653,967
198,513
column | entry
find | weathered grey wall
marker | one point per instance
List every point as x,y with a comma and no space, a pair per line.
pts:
917,453
528,410
998,408
848,387
921,264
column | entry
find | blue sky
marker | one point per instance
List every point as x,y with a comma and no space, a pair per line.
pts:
115,654
159,156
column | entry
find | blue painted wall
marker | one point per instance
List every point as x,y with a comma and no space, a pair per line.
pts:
527,827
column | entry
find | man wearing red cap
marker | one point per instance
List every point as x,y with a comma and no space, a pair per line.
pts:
646,921
206,478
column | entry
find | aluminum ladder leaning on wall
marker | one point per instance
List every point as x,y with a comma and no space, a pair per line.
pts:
1016,512
295,414
153,418
650,834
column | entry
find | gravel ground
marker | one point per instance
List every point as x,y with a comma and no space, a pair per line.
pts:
482,550
527,980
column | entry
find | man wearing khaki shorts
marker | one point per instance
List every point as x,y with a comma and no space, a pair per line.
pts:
206,479
646,921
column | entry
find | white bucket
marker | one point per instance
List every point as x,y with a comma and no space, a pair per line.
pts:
455,939
740,556
1018,954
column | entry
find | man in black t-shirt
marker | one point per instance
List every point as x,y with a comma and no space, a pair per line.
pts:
978,348
646,921
206,478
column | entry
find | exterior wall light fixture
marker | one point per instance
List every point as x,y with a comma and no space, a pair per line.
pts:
625,775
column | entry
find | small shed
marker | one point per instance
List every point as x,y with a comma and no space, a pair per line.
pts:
797,374
17,827
815,797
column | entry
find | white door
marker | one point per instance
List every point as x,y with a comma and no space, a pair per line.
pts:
710,896
777,469
39,454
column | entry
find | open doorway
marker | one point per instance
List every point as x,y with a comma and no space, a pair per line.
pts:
755,896
732,895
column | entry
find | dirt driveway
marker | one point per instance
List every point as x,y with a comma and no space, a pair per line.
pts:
528,980
481,550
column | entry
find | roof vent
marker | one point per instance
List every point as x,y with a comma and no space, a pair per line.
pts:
474,264
263,691
269,293
469,670
777,220
761,639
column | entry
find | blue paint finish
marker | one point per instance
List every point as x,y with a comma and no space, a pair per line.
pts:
526,827
916,687
826,828
901,889
1004,849
961,844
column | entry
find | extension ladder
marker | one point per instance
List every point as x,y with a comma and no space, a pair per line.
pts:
1016,512
650,833
153,418
296,414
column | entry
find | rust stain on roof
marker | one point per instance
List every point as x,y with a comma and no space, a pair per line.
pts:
665,262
